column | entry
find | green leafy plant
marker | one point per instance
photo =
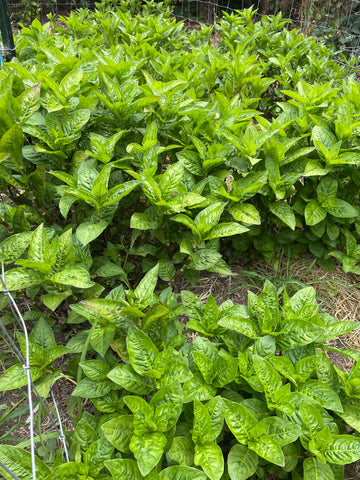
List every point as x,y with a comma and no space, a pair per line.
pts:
133,151
253,393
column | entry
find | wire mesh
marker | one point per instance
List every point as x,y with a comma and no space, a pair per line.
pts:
31,389
335,21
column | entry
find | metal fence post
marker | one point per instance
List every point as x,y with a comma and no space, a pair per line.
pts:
6,31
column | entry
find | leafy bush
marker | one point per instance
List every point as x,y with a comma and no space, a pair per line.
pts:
253,394
130,146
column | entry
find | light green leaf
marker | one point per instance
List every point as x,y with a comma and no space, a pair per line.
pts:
148,450
115,194
142,351
18,461
225,230
53,300
314,213
197,389
96,370
339,208
245,212
268,376
269,449
87,388
127,378
101,337
96,454
180,472
241,324
239,420
182,450
14,246
204,259
124,468
284,211
242,462
20,278
314,469
343,449
119,431
75,276
323,393
88,231
15,377
279,429
210,457
209,217
147,285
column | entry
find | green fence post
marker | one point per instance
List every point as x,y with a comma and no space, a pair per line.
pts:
6,31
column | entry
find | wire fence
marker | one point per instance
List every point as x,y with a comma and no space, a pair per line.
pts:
55,421
335,21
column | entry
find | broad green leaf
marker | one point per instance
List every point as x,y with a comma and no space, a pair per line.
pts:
284,211
205,366
210,457
142,351
127,378
351,415
143,414
269,449
314,213
53,300
182,450
204,259
70,471
147,285
197,389
268,376
225,230
323,136
18,461
209,217
316,470
115,194
201,432
15,377
75,276
14,246
119,431
298,333
339,208
21,278
343,449
239,420
323,393
96,455
148,450
180,472
241,462
279,429
88,231
43,336
95,369
167,415
124,468
88,388
241,324
245,212
101,338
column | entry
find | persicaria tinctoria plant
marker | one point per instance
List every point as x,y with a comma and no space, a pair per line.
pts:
134,152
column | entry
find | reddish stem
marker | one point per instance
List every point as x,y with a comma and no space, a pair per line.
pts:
274,475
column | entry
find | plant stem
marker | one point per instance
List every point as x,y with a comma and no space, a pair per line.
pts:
82,358
274,475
